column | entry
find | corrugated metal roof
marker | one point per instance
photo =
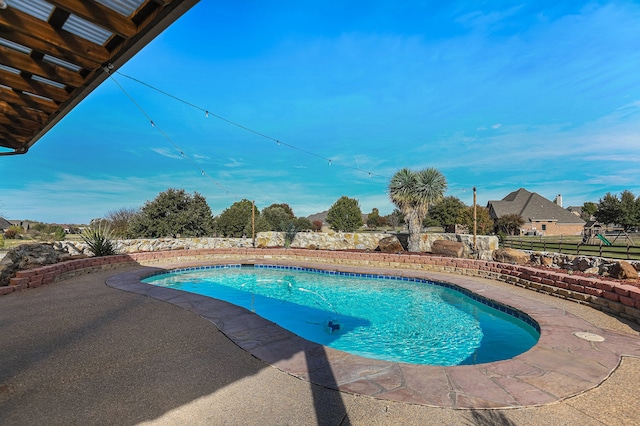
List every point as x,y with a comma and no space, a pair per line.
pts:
59,62
86,30
52,54
37,8
123,7
15,46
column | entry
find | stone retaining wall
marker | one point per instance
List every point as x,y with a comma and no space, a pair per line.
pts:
609,296
309,240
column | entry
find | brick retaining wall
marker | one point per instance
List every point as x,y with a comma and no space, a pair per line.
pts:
608,296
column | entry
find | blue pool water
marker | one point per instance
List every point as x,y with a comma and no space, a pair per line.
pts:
390,318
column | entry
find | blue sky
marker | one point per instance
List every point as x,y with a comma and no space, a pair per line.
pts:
499,95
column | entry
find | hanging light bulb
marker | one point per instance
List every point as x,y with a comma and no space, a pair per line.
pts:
278,142
329,162
206,114
370,174
202,171
152,123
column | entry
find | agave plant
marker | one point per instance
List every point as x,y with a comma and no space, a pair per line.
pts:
100,240
290,234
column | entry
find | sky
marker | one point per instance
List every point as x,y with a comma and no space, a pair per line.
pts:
499,95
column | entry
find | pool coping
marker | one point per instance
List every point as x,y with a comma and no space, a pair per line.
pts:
559,366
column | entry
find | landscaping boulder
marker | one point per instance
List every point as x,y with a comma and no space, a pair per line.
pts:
509,255
624,271
447,248
27,256
390,244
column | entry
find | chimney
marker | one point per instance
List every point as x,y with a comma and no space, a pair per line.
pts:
559,200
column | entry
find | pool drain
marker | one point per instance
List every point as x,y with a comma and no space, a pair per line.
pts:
592,337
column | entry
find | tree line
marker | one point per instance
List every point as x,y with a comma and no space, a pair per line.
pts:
418,197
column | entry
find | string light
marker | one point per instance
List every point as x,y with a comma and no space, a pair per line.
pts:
278,142
164,134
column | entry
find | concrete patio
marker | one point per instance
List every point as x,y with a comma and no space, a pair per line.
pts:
81,352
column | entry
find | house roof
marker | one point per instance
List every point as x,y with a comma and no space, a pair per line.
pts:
53,53
531,207
4,224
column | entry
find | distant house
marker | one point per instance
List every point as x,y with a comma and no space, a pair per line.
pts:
24,224
541,216
4,225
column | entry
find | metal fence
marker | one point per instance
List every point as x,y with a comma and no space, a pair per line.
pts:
627,252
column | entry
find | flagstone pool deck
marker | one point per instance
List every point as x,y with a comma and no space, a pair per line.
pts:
78,351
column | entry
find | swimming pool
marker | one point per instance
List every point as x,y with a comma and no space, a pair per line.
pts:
382,317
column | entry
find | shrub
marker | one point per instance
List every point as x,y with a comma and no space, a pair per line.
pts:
100,240
59,234
13,232
290,234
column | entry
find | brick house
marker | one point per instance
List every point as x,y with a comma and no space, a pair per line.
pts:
541,216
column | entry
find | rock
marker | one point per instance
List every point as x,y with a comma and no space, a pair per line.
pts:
509,255
27,256
546,261
447,248
390,244
624,271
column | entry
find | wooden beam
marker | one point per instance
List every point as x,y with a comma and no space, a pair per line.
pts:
23,100
100,15
21,22
18,82
16,131
26,63
23,113
19,123
12,141
48,49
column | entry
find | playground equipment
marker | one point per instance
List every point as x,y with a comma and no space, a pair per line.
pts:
594,234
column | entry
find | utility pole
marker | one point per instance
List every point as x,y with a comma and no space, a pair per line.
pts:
475,222
253,222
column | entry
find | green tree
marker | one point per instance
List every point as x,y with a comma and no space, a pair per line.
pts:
413,193
235,221
278,219
484,223
303,224
172,213
374,220
446,212
510,224
57,233
589,209
345,215
629,210
286,208
608,209
623,211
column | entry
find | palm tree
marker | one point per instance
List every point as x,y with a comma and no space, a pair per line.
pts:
413,192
